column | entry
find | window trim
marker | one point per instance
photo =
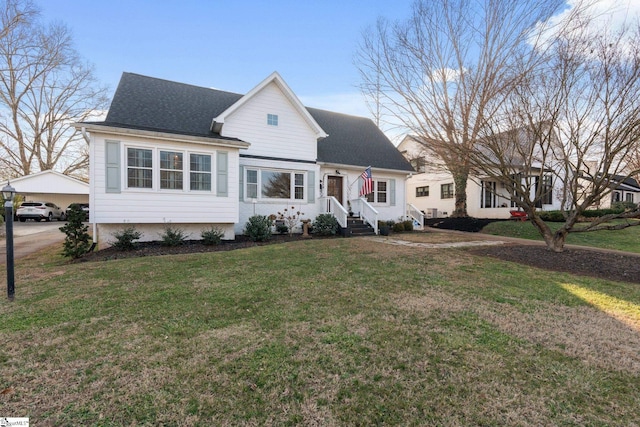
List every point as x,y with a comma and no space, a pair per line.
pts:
156,170
181,171
127,167
259,186
212,159
450,194
272,119
376,192
422,193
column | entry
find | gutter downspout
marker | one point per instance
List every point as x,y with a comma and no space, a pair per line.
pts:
94,233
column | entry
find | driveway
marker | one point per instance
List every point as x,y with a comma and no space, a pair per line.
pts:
30,237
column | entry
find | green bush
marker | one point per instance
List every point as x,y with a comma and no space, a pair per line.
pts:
212,236
398,227
594,213
624,206
126,238
551,216
408,225
258,228
172,236
77,241
326,225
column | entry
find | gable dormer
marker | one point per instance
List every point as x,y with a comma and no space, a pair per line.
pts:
273,120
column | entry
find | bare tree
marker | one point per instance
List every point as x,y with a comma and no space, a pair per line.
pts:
574,119
44,87
439,73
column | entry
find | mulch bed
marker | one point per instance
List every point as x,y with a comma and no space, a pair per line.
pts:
583,262
472,225
187,247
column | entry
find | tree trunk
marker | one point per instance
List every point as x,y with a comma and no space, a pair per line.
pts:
460,187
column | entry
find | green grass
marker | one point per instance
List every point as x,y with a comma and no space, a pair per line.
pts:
327,332
624,240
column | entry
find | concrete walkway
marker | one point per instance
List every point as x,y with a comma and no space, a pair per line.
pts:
471,243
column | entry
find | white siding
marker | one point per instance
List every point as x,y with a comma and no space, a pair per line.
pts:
291,139
155,206
250,207
386,211
434,200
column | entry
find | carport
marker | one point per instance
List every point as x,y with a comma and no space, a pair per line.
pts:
51,186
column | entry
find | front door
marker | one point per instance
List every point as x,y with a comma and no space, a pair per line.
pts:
334,188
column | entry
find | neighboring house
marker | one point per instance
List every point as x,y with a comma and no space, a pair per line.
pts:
432,190
196,157
623,189
51,186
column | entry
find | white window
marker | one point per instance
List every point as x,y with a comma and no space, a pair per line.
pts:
380,193
171,170
274,184
139,168
272,119
628,197
200,172
154,168
488,197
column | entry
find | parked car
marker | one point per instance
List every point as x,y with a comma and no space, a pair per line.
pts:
39,211
83,206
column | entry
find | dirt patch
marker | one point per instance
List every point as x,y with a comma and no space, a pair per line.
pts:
584,262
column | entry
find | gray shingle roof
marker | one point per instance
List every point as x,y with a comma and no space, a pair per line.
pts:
148,103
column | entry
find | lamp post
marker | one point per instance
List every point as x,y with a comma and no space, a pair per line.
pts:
7,192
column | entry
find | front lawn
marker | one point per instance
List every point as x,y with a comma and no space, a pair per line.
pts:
623,240
318,332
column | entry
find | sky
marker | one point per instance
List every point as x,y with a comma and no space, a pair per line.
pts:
234,45
229,45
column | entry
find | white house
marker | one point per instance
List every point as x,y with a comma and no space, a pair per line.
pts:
196,157
432,189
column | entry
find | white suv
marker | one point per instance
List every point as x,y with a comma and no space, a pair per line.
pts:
39,211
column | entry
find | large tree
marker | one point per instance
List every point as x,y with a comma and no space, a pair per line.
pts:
44,87
575,120
439,73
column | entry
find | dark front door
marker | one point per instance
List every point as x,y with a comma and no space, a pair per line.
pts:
334,188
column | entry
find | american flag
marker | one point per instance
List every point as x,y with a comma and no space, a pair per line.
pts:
367,184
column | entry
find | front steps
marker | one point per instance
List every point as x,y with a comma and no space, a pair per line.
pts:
357,227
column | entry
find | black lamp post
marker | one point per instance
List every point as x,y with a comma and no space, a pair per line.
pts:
7,192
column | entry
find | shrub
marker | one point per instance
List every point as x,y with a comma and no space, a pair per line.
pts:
281,227
258,228
172,236
408,225
326,225
287,218
126,238
398,227
76,243
624,206
594,213
212,236
551,216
